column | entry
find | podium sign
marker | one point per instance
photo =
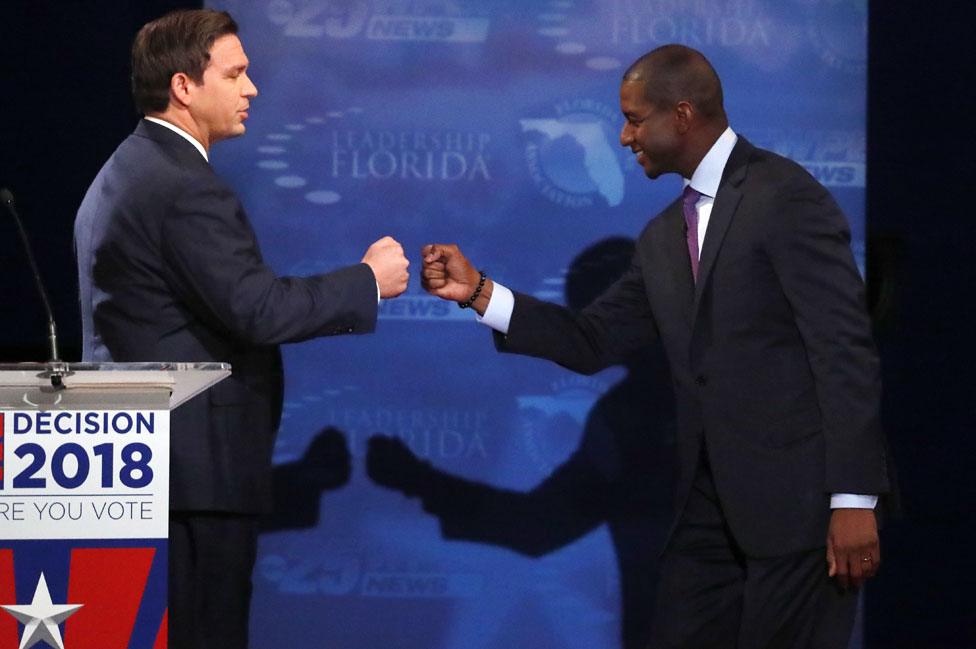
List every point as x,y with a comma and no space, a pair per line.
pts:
84,490
84,474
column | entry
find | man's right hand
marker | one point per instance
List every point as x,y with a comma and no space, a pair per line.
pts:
385,257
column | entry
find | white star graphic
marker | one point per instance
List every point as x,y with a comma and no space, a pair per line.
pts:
41,618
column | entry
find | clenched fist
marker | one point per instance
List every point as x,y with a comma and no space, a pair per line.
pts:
385,257
449,275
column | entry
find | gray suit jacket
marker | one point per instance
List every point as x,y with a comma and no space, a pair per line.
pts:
170,270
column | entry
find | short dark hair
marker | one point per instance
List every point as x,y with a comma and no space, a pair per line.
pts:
673,73
180,41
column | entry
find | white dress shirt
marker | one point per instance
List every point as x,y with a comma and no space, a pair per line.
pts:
707,177
705,180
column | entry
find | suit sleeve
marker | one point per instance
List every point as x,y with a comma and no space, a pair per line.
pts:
809,246
215,267
604,333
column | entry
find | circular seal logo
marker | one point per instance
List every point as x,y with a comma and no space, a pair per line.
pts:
572,155
550,424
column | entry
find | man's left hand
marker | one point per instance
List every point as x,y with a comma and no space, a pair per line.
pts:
853,552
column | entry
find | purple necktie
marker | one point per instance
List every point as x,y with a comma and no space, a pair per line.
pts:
688,199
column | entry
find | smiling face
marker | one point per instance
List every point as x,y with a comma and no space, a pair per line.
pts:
652,132
219,104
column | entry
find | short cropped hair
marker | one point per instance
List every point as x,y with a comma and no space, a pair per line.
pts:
180,41
673,73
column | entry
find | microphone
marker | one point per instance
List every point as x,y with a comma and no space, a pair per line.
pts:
7,198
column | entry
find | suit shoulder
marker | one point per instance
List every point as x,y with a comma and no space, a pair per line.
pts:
139,186
142,165
790,198
143,171
776,171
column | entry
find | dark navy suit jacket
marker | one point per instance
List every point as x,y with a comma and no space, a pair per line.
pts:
771,355
170,270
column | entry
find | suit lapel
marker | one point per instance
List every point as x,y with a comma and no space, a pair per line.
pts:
677,261
723,210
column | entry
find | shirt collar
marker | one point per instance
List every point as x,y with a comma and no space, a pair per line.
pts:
186,136
708,174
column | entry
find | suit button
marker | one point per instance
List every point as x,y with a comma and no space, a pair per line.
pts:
701,380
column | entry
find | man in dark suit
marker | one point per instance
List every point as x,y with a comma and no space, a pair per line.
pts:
170,271
749,283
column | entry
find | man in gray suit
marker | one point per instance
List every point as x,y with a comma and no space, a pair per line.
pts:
748,282
170,270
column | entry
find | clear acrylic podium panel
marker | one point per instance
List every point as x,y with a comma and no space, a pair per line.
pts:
108,386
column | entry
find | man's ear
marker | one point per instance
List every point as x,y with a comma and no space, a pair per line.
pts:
179,89
684,113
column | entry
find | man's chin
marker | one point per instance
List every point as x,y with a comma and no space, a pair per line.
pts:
229,134
649,170
652,173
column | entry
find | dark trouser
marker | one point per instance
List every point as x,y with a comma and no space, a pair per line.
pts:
712,596
211,555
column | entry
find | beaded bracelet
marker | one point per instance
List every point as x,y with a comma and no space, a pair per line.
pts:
477,292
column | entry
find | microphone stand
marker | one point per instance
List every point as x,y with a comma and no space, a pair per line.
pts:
58,369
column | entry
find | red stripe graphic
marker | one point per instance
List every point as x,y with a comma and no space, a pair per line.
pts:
162,637
8,624
110,583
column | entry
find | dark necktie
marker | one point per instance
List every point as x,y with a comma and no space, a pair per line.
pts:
688,199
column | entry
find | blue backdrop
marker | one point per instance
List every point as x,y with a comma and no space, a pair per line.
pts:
542,495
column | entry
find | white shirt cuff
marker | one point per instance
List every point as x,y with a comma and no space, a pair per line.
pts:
852,501
498,313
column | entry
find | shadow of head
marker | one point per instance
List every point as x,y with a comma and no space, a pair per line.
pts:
596,268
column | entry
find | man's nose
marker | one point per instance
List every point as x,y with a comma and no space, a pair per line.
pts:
250,90
625,136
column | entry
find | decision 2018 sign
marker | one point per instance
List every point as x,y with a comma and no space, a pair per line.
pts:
83,526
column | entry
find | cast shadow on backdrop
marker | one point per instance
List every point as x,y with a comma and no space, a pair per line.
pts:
326,465
620,475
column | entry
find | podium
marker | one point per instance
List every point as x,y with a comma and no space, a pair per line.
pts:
84,498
